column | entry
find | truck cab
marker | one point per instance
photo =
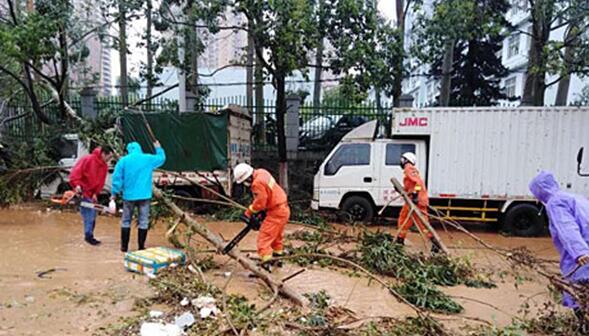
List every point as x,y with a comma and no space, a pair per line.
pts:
355,176
71,149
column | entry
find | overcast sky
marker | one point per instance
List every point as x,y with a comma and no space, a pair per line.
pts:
386,7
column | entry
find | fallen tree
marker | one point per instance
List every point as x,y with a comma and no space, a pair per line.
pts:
219,243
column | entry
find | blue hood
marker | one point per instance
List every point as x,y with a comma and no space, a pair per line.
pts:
544,186
133,172
134,147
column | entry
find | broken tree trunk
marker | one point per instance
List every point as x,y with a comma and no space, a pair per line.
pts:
219,243
421,217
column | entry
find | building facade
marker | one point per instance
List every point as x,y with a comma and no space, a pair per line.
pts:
514,56
95,69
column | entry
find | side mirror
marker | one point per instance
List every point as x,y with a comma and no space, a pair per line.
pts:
316,166
580,162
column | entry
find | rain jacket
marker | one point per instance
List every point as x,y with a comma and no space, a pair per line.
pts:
569,226
133,172
412,183
89,173
269,197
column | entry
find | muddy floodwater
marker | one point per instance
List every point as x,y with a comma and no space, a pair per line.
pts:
86,287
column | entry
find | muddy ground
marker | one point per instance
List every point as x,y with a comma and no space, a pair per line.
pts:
90,289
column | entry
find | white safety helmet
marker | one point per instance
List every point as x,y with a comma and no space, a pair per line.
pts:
408,157
242,172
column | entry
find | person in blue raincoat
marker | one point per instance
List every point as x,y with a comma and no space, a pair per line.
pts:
568,215
133,177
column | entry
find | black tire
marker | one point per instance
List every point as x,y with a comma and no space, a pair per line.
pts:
358,209
63,187
184,204
523,220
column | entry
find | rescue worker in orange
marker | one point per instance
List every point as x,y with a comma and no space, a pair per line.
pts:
270,198
416,190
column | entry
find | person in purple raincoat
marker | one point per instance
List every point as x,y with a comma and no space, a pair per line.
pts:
568,215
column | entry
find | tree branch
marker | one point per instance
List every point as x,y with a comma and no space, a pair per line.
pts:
33,97
223,68
12,12
219,243
525,33
557,79
407,4
90,32
42,75
173,20
13,75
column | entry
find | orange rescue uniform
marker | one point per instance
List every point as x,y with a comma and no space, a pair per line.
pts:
269,197
412,183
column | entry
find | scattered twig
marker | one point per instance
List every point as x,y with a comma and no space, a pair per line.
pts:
482,303
43,274
224,302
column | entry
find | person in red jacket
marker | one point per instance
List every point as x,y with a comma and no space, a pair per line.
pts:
269,197
415,188
87,179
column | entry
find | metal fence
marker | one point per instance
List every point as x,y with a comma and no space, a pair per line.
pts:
320,127
19,121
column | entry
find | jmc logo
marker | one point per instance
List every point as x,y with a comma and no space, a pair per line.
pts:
414,121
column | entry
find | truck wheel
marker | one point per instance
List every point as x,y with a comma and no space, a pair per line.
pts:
358,209
183,203
523,220
63,187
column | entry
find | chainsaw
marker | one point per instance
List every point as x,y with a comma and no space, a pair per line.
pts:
252,223
72,198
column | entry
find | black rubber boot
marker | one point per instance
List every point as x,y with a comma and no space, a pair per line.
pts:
400,241
125,234
277,263
141,237
436,248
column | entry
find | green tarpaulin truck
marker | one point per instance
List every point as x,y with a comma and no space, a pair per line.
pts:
202,147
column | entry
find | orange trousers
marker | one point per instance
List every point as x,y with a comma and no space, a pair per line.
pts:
404,223
271,235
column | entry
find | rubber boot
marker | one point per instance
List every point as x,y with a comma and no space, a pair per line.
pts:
400,241
141,237
277,263
93,239
436,248
125,234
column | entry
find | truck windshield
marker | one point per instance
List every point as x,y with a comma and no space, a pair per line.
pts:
348,155
68,149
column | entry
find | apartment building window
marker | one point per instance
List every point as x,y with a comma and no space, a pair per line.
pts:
431,93
518,6
510,87
513,46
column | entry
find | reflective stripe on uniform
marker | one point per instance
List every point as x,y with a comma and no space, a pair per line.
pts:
271,183
251,209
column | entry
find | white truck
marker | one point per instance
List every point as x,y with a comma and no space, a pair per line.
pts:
238,125
476,162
